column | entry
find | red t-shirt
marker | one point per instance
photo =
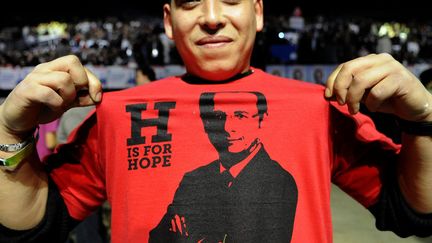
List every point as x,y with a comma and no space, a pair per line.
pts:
152,152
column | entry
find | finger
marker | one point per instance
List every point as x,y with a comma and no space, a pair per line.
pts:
70,64
95,86
48,97
173,226
183,223
362,82
45,88
89,95
378,97
178,224
330,82
344,78
60,82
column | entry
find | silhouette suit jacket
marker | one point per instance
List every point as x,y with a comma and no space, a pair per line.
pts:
259,206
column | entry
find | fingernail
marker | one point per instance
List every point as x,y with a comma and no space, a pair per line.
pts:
354,109
341,101
98,97
327,93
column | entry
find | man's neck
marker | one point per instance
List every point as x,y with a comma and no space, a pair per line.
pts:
192,79
230,159
238,167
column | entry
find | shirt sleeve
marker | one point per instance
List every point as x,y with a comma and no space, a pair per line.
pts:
364,166
77,172
392,212
360,153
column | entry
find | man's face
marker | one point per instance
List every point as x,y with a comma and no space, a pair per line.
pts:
239,114
214,37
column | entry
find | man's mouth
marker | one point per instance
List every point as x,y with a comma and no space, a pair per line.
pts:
214,41
231,140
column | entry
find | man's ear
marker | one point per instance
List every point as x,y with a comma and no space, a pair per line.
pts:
167,20
259,15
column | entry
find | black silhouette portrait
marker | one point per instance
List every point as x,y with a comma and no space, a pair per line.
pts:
244,195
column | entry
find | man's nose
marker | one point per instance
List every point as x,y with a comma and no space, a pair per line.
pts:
230,124
212,15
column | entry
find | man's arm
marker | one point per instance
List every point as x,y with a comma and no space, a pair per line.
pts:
23,195
49,90
384,85
415,172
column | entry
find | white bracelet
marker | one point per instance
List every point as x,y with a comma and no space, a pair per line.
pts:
13,147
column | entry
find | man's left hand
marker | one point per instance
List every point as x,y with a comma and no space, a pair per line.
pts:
382,84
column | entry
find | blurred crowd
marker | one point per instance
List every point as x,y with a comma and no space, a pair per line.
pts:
286,39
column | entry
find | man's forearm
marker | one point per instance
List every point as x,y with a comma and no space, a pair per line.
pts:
23,195
415,172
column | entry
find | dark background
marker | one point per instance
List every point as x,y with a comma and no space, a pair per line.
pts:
16,12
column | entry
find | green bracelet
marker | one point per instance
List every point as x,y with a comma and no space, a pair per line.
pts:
11,163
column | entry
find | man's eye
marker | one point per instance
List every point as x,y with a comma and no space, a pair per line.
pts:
240,115
188,3
232,2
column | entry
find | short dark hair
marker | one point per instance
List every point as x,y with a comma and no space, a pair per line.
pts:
426,76
147,70
206,105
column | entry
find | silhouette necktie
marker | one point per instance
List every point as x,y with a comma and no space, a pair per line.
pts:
227,178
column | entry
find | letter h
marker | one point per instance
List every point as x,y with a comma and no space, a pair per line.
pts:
161,122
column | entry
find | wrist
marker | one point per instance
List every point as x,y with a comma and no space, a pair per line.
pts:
20,151
418,128
10,136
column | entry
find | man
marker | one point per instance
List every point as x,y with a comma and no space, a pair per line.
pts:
140,142
144,74
256,191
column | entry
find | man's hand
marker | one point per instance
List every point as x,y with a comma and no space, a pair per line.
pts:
46,93
178,226
385,85
382,84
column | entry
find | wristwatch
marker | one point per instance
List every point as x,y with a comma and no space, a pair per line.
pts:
11,163
14,147
23,149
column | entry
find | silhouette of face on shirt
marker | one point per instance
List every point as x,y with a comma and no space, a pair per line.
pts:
237,121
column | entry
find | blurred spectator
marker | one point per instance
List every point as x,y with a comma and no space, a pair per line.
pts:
144,74
47,138
426,78
296,21
321,40
384,44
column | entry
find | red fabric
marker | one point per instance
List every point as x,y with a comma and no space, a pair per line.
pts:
297,133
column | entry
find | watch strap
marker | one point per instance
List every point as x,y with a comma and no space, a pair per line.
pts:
416,128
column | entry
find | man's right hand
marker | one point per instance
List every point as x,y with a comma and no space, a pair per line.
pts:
45,94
